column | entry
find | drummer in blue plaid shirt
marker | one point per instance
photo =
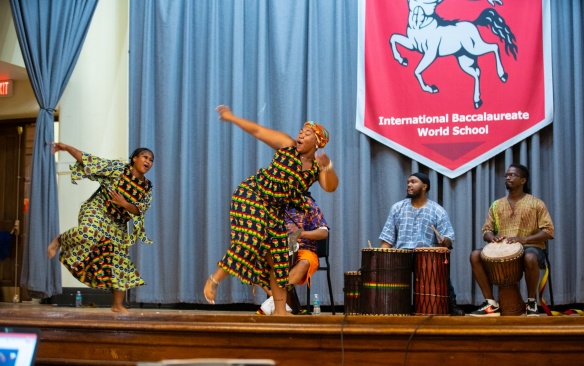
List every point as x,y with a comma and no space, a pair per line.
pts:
417,222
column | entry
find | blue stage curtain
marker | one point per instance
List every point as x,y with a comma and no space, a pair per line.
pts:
283,62
51,34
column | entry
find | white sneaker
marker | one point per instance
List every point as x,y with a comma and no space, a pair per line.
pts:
268,306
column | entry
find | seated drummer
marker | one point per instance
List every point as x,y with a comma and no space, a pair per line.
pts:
417,222
313,227
518,217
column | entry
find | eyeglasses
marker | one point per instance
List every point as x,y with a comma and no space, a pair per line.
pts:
512,175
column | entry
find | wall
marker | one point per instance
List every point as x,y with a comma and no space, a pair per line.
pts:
22,104
94,106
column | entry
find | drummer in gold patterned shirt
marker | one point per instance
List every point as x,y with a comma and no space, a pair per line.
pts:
518,217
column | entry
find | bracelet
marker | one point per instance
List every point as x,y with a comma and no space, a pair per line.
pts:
328,167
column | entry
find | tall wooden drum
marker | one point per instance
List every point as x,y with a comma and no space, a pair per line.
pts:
351,290
431,274
504,266
386,275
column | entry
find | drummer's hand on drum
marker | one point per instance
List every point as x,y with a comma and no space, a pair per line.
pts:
498,238
515,240
385,244
292,227
444,241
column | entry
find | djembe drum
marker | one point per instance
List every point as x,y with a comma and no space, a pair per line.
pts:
351,290
503,264
386,276
431,274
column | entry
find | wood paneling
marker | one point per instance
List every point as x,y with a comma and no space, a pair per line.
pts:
99,337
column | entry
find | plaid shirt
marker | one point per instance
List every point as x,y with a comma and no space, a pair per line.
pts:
408,227
312,220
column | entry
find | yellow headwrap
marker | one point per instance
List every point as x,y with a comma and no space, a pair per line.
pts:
322,135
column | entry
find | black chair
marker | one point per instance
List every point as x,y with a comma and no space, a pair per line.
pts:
323,252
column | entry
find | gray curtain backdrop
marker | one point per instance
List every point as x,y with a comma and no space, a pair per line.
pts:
281,63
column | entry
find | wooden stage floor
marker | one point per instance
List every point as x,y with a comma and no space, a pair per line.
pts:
96,336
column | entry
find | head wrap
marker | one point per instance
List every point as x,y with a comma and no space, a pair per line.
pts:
322,135
424,178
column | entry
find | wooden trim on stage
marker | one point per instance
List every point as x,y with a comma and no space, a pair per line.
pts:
72,336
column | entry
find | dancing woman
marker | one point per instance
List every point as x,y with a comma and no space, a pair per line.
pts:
96,251
258,254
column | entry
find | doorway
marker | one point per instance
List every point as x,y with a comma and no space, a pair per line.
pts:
16,141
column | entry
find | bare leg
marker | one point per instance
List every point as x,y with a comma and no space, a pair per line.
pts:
118,306
298,272
531,268
212,283
280,294
54,247
480,275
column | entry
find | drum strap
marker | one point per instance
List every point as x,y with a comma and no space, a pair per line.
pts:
494,208
292,219
548,311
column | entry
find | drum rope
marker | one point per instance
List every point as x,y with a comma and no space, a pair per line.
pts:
544,305
342,340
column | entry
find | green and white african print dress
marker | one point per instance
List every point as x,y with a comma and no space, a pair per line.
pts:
96,251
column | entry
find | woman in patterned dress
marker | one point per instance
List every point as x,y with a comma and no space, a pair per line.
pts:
96,251
258,254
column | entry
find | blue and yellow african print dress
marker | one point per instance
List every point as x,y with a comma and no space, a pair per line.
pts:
257,214
96,251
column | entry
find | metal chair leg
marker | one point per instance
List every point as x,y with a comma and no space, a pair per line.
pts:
308,298
330,287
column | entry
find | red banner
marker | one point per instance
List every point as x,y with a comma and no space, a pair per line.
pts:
451,83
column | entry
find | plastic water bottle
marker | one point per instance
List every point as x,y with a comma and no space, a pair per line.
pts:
78,299
316,304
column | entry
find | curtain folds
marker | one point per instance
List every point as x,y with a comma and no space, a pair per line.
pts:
51,34
281,63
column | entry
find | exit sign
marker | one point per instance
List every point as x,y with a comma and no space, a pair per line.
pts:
6,88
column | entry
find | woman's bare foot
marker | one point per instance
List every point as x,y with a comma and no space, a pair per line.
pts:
54,247
280,308
282,314
118,303
120,309
210,289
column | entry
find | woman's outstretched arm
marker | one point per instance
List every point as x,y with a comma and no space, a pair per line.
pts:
273,138
59,146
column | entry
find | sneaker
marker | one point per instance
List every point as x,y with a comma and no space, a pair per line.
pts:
531,308
487,309
267,306
455,310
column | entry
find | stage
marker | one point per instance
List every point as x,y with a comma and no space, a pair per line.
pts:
96,336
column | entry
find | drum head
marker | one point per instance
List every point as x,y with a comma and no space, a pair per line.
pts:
353,273
502,250
385,250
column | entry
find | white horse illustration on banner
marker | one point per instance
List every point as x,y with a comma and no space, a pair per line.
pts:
434,37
